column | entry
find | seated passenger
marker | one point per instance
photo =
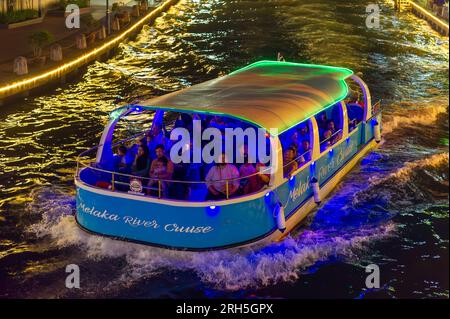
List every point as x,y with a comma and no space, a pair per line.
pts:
157,137
296,148
121,164
352,124
215,180
139,141
331,126
258,178
305,152
294,141
322,121
326,140
148,140
336,134
355,112
263,178
255,181
357,100
303,133
179,189
290,165
141,163
246,170
290,140
160,169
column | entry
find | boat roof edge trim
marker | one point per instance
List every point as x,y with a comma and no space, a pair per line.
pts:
267,94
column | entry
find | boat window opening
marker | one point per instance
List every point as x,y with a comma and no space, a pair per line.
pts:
355,105
297,148
376,108
355,93
131,126
355,115
144,156
330,124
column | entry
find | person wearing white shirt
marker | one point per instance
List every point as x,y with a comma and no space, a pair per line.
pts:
217,177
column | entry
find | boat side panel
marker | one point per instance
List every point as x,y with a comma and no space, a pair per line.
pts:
179,227
333,159
100,211
295,191
298,215
369,128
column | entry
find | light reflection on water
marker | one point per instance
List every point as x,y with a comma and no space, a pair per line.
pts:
404,227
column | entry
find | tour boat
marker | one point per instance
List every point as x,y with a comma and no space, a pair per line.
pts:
277,97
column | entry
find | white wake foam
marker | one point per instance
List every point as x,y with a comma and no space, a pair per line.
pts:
405,116
229,270
414,181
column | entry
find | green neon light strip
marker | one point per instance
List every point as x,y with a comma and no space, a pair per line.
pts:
163,108
347,72
343,96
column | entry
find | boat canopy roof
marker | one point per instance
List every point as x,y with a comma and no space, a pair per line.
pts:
268,94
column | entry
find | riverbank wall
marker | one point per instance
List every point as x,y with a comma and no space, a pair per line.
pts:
62,73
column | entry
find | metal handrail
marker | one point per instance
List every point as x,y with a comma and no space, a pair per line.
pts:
268,170
83,154
374,115
297,158
335,133
114,180
88,165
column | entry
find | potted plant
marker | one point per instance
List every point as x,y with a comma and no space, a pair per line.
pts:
38,40
17,16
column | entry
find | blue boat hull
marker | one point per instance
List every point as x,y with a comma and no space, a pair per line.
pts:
139,219
199,226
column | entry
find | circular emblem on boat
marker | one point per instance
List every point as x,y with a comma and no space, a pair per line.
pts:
136,185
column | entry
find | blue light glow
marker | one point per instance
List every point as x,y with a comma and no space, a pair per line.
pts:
212,211
292,182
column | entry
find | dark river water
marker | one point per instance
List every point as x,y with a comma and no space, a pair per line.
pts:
392,210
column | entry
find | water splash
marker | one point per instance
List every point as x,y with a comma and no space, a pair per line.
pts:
422,114
231,270
54,205
420,181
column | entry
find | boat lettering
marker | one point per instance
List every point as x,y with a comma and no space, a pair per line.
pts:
103,215
189,229
298,191
136,222
337,160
